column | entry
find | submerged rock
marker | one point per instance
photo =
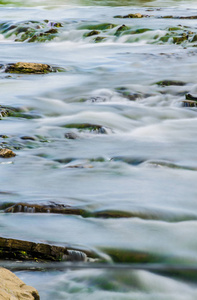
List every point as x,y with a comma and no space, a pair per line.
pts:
6,153
170,82
132,256
99,39
71,210
29,68
31,31
71,136
88,127
179,39
102,26
121,29
91,33
13,288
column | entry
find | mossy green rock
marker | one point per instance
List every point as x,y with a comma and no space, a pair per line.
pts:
99,39
170,82
28,68
180,39
31,31
121,29
91,33
102,26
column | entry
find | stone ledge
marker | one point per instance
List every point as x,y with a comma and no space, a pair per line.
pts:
13,288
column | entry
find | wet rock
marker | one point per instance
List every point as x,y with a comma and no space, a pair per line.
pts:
71,136
140,30
136,15
91,33
194,38
41,37
31,31
50,208
190,101
79,166
168,17
31,138
24,250
6,153
179,39
189,17
99,39
5,205
12,288
102,26
69,210
190,97
121,29
106,214
14,249
129,256
170,82
6,111
28,68
89,127
97,99
132,96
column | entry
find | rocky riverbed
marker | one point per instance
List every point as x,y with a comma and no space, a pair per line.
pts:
97,147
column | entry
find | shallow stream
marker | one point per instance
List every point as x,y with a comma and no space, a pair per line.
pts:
109,132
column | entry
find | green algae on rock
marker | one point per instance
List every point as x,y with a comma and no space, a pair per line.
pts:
91,33
14,249
102,26
170,82
24,250
28,68
99,39
190,97
121,29
31,31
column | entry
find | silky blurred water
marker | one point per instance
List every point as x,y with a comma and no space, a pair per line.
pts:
142,160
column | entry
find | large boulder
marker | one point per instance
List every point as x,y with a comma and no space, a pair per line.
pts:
12,288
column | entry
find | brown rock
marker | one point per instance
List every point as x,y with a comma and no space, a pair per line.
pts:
30,68
12,288
137,15
7,153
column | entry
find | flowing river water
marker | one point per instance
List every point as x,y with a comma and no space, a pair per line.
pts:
111,133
